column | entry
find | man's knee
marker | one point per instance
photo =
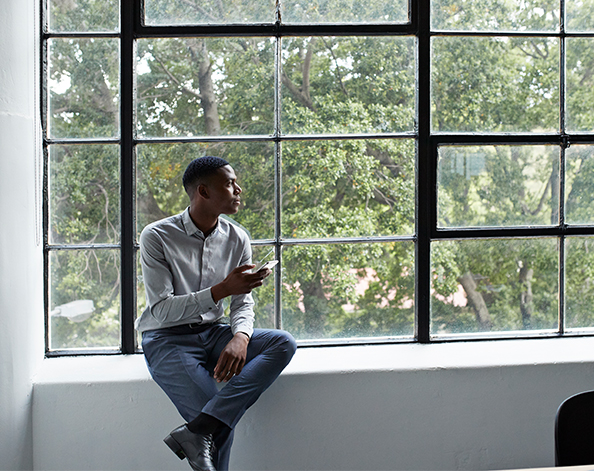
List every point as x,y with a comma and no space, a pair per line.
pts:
286,344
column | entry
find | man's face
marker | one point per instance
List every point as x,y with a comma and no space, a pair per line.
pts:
224,191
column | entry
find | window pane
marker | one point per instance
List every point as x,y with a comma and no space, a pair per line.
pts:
348,188
348,85
580,14
494,285
209,12
340,291
84,193
160,192
579,193
344,11
84,305
197,86
84,85
505,84
84,15
264,295
580,84
498,186
579,282
496,15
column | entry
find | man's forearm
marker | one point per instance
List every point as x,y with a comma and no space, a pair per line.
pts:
219,292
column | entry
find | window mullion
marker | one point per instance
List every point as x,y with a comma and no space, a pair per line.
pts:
128,10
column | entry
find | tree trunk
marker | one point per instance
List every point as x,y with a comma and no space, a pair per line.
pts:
316,307
526,296
476,301
199,52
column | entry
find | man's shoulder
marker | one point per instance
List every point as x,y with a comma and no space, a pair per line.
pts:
168,224
230,226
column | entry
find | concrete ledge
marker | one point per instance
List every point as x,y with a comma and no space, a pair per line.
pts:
472,405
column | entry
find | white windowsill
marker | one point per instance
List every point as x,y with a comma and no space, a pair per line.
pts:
349,359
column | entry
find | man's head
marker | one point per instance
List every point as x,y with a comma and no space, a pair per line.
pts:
212,186
199,171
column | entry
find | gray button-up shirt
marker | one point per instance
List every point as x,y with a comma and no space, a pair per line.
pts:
179,267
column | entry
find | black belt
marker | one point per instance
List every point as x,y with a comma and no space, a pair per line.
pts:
192,328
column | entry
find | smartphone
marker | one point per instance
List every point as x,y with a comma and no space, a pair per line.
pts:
269,264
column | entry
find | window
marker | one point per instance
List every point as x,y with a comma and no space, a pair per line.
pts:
422,170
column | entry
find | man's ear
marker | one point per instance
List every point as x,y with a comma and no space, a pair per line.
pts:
202,191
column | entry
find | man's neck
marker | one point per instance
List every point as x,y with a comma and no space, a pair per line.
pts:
204,221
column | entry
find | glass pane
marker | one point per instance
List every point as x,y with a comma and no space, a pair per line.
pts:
84,194
84,83
160,192
580,15
348,85
341,291
495,84
344,11
498,186
84,299
197,86
580,84
348,188
209,12
84,15
494,285
579,193
579,282
496,15
264,295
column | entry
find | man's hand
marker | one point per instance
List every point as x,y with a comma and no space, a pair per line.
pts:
232,358
239,282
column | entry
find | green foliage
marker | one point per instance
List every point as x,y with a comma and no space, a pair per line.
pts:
331,187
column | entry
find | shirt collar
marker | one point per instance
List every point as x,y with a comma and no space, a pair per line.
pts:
191,228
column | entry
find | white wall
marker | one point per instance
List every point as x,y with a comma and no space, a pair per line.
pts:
488,405
21,272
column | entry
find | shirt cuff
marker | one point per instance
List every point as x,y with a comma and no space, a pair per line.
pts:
205,301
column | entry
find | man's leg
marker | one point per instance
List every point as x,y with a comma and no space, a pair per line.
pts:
177,364
268,353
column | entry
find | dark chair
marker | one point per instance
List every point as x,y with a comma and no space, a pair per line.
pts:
574,431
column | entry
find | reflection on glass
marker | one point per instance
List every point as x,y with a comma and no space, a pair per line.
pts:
579,193
494,285
496,15
341,291
348,85
580,84
84,194
579,15
208,12
348,188
160,192
197,86
505,84
83,85
344,11
579,282
84,15
498,186
84,303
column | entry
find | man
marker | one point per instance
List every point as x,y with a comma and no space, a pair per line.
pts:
190,263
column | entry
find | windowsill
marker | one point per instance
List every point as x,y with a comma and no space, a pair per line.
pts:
349,359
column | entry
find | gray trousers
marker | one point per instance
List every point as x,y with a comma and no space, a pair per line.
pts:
181,360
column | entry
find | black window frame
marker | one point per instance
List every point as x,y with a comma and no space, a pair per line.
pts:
427,145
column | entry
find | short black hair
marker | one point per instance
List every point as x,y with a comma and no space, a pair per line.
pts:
200,169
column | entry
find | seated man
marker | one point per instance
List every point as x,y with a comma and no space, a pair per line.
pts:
190,263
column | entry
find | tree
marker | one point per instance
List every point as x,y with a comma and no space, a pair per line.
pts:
332,188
